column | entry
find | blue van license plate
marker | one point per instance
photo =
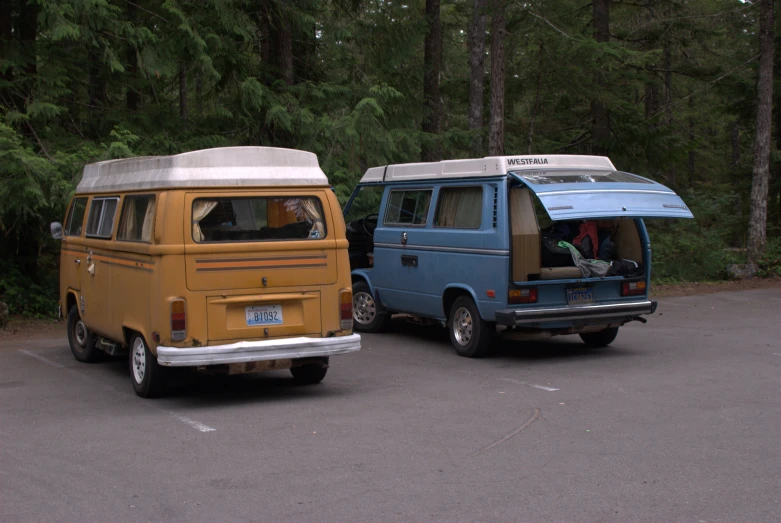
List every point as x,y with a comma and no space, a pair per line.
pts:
580,296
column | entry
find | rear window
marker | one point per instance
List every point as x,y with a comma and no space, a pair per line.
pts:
257,219
550,177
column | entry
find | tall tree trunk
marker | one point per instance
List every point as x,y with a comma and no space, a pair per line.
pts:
96,91
28,31
668,83
600,130
132,97
182,91
476,44
757,226
432,65
286,71
6,46
267,44
496,126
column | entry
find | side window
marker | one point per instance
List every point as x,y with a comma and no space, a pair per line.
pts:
137,218
408,207
75,221
460,208
101,217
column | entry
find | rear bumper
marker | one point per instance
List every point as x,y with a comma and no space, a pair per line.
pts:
607,312
246,351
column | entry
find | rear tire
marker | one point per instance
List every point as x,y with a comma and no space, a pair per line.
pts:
148,376
601,338
81,339
368,314
309,374
470,335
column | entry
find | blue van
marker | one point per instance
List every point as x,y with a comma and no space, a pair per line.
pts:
513,246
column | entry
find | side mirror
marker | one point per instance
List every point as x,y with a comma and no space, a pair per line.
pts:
56,228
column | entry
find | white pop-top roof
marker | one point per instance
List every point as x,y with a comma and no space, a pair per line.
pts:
483,167
221,167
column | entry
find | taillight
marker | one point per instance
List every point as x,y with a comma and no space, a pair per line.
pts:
527,295
178,320
346,309
632,288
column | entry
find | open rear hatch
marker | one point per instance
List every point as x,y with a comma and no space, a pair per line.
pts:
580,194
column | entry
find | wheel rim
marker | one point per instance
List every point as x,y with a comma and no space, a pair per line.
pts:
80,333
462,326
364,308
138,360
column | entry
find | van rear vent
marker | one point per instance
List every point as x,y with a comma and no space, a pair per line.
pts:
496,203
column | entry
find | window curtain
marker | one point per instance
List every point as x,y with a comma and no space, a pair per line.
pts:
312,212
128,229
201,209
149,221
461,208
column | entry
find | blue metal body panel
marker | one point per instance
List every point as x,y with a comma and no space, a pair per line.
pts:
478,261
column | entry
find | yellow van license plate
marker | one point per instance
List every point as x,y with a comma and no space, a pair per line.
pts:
263,315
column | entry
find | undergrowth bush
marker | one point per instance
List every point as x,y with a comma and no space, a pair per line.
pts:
28,296
698,249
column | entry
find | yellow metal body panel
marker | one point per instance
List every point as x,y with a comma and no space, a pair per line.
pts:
122,286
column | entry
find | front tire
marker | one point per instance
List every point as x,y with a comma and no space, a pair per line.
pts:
470,335
81,339
601,338
148,376
368,314
309,374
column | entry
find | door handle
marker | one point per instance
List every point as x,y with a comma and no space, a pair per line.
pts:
77,262
409,261
404,238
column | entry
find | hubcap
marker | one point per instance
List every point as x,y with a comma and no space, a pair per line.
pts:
80,333
364,308
462,326
138,361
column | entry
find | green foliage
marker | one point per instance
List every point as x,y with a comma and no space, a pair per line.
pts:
107,79
770,263
699,249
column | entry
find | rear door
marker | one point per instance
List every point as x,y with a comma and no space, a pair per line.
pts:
259,260
569,194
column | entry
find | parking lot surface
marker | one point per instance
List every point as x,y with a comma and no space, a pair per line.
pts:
679,420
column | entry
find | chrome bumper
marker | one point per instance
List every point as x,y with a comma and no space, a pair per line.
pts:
606,311
246,351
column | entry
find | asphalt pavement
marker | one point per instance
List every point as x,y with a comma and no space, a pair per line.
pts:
679,420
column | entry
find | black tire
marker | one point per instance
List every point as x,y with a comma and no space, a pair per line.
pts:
309,374
368,314
601,338
470,335
81,339
148,376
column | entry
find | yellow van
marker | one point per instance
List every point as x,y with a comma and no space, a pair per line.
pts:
226,260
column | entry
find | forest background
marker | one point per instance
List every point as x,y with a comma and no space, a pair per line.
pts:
666,88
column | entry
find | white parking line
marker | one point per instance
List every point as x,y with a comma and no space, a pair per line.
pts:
541,387
44,359
197,425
